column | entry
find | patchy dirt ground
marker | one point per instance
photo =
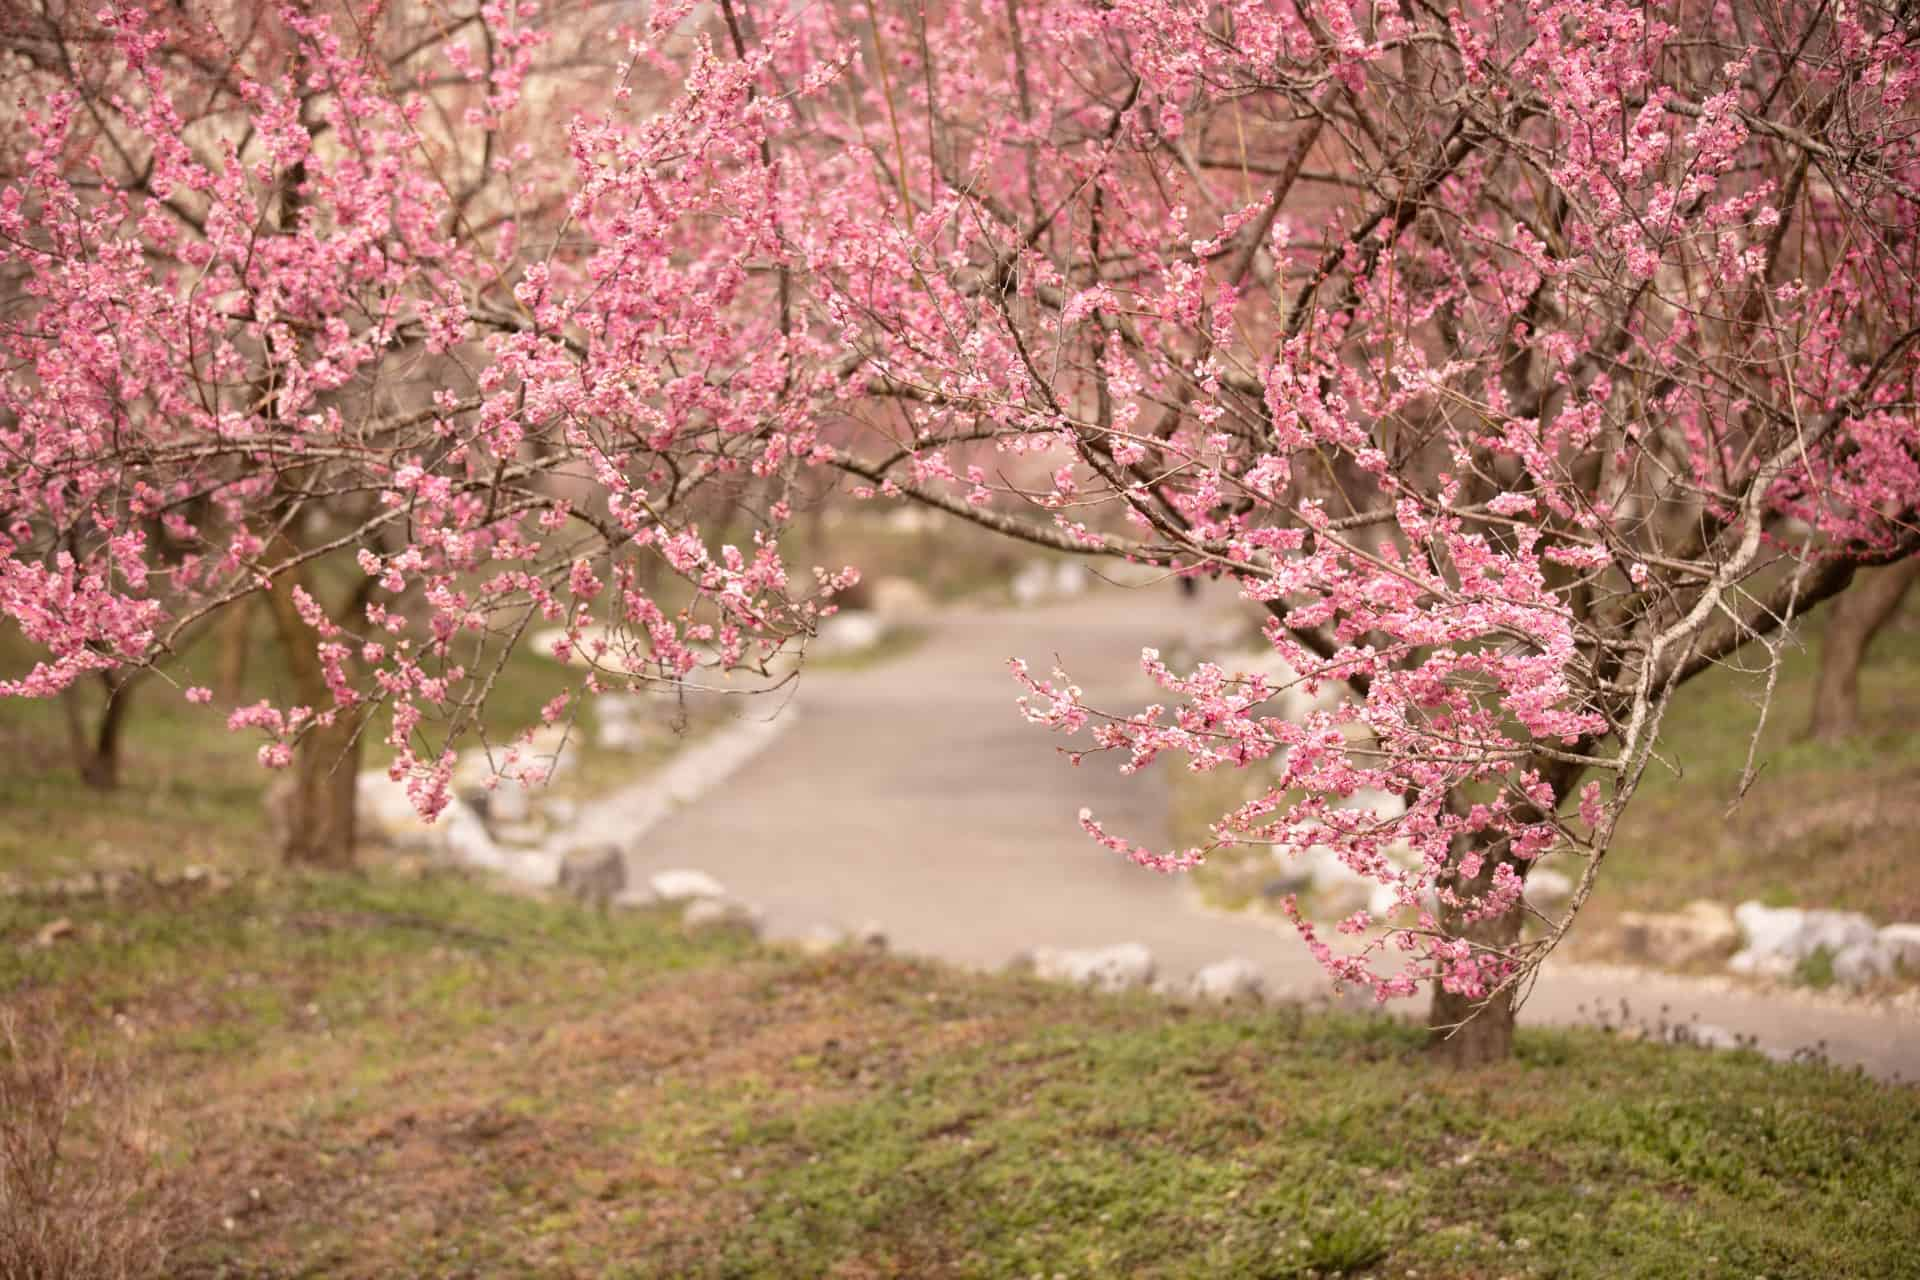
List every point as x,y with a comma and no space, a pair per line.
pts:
384,1075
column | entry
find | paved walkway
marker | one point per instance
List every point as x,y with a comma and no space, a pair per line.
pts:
913,794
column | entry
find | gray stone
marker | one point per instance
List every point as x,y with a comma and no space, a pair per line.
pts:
594,874
684,886
1836,931
1232,981
706,917
1901,942
1779,938
1121,967
1861,963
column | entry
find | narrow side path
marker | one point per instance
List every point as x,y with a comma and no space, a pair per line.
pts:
913,795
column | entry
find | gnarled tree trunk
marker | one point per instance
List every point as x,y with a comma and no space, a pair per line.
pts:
1856,618
96,748
235,630
1463,1031
313,818
319,817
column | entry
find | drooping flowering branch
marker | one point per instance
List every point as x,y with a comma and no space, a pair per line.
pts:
1521,363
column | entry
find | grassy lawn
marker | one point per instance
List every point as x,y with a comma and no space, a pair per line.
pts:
377,1076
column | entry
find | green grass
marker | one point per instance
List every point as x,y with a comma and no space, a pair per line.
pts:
421,1077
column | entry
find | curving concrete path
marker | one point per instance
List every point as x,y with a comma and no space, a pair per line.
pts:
913,794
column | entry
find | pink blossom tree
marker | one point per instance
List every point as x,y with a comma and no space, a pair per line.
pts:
1521,364
344,307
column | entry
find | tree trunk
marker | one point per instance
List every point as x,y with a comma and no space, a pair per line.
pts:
96,749
313,809
236,637
1462,1031
1857,617
318,818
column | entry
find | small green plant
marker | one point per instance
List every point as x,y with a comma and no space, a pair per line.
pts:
1815,969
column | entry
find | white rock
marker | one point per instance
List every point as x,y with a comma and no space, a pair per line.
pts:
1779,938
619,708
468,843
508,804
1233,981
524,834
1837,931
681,885
466,836
719,915
1116,968
1032,583
849,631
1861,963
625,651
1547,890
1901,942
1384,805
821,939
621,735
383,812
549,752
911,519
1292,701
1769,931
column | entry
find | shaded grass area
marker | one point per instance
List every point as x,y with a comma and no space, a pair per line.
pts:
382,1076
